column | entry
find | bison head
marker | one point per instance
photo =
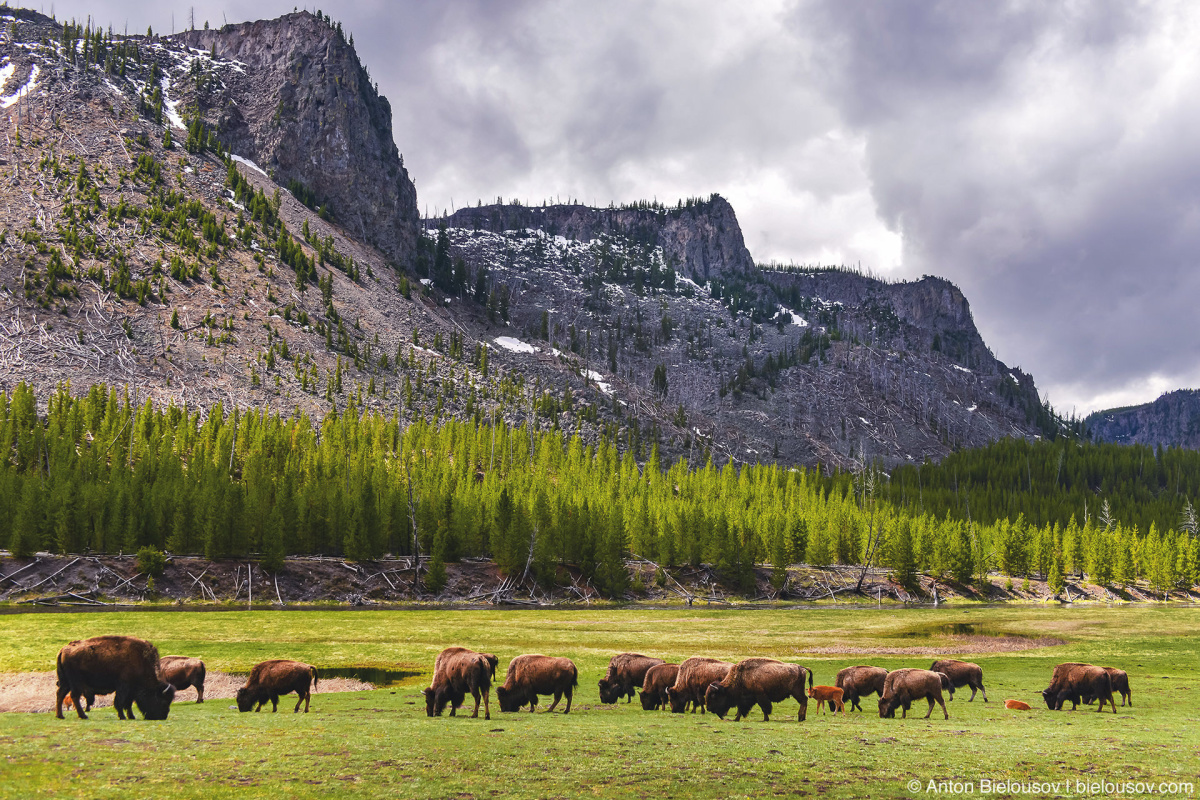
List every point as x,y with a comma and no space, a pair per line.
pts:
1051,698
887,706
650,700
718,700
156,703
245,698
610,691
512,699
677,699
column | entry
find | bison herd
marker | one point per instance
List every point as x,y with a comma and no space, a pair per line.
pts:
131,669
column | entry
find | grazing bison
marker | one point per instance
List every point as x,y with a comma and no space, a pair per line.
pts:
961,673
1072,681
625,671
121,664
828,694
531,675
1017,705
272,678
457,671
183,672
903,687
860,681
654,686
761,682
691,683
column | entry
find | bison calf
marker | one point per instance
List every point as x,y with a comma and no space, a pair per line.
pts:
692,680
625,672
654,687
183,672
761,682
903,687
828,694
531,675
1017,705
124,665
458,671
961,673
860,681
270,679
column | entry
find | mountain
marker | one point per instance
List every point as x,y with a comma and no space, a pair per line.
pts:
222,216
1173,420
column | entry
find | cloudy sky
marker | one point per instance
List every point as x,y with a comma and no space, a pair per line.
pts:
1043,156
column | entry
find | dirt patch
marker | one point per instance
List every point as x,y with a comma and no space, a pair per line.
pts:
35,691
954,645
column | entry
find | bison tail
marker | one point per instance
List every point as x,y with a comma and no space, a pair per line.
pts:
574,676
810,677
313,672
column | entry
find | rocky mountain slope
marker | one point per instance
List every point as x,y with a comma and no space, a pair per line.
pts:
222,216
1173,420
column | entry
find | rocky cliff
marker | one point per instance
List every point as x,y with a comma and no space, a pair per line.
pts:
1173,420
295,100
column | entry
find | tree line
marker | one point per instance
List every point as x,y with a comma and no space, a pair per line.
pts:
104,472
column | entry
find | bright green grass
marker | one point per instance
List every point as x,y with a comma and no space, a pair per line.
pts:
380,744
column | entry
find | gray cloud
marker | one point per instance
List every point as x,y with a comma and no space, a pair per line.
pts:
1043,156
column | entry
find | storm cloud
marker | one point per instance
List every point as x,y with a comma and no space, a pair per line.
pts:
1045,157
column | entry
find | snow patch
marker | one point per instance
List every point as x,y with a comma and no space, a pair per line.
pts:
515,345
960,369
249,164
5,73
30,85
797,320
599,380
973,407
172,114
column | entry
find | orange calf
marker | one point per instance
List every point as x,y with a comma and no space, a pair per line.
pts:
827,694
1016,705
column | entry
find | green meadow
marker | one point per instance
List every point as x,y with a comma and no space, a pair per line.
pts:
381,744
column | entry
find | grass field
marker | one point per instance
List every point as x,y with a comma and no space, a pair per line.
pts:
381,744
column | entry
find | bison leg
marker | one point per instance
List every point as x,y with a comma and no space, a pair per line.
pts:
200,693
533,701
567,710
487,709
301,697
274,703
803,700
842,707
554,705
475,695
121,701
766,707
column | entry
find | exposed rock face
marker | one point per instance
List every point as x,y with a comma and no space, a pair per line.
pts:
303,108
700,240
1171,420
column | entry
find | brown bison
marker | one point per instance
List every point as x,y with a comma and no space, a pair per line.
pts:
761,682
860,681
1120,685
456,672
272,678
122,664
531,675
1017,705
1072,681
183,672
625,671
692,680
654,686
828,694
903,687
961,673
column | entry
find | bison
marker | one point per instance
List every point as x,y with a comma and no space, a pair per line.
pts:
122,664
272,678
961,673
692,680
828,694
903,687
860,681
1120,685
761,682
457,671
183,672
530,675
1017,705
625,671
654,686
1072,681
